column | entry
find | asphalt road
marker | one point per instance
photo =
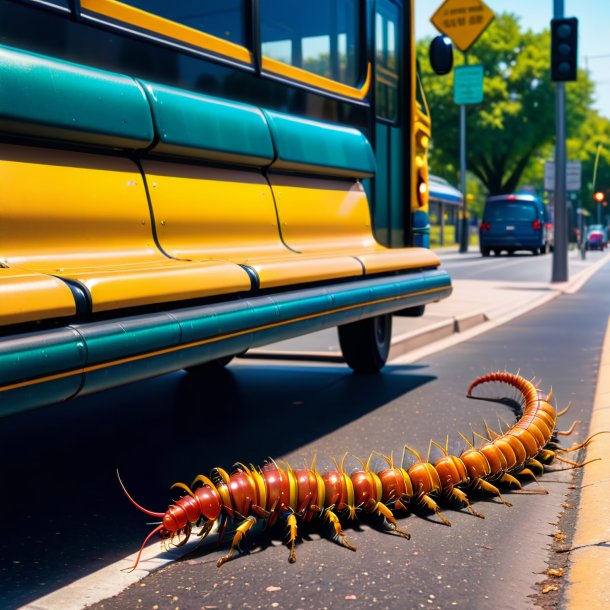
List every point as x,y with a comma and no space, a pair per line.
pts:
520,267
64,516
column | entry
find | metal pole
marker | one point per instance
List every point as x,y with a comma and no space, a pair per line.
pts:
464,234
560,250
599,203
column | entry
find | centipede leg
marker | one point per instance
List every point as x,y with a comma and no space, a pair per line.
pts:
570,430
545,456
292,535
509,480
240,532
534,464
389,520
339,536
429,503
460,496
481,484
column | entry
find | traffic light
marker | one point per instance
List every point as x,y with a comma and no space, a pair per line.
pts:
564,49
599,196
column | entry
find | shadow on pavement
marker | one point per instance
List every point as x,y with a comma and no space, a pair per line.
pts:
64,515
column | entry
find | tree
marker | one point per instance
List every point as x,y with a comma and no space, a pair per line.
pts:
517,117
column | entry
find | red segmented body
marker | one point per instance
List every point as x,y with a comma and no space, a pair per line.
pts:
271,492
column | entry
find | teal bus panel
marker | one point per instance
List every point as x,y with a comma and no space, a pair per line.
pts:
196,125
51,98
325,148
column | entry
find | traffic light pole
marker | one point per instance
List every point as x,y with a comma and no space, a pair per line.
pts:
560,249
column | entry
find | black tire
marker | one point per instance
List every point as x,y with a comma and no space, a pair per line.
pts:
366,344
535,251
497,252
485,251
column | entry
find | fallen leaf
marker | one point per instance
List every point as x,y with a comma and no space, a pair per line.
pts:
550,588
556,573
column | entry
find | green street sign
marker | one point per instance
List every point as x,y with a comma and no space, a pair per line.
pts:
468,84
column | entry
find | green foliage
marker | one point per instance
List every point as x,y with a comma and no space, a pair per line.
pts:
515,125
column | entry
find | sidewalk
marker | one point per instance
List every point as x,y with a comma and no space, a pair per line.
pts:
474,307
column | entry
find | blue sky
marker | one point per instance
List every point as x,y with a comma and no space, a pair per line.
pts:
593,32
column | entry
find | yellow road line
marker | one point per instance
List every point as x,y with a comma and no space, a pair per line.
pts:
589,574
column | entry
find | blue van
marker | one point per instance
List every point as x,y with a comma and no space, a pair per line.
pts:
514,222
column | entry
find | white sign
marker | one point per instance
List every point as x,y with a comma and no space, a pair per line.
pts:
573,174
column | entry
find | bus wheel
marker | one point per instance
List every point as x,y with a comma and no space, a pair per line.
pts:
485,251
366,344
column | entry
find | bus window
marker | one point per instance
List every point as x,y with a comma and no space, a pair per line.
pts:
386,55
221,19
320,36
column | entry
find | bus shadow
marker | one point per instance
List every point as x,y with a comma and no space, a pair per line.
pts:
156,432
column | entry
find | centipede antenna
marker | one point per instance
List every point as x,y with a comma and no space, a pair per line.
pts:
144,510
184,487
564,411
135,565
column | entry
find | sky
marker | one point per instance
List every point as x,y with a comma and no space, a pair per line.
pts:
593,32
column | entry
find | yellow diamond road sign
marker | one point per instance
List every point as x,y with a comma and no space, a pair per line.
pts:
463,21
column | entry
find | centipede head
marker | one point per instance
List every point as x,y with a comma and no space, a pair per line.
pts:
165,529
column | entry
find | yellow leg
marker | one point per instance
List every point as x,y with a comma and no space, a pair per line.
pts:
382,509
429,503
240,532
534,464
546,456
292,533
509,479
458,494
488,487
339,536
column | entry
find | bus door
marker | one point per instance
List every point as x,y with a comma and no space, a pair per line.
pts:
390,123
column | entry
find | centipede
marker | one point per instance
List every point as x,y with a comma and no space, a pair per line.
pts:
295,496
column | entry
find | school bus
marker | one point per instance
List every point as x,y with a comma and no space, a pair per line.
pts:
183,181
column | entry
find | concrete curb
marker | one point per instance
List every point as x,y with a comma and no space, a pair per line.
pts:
589,575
